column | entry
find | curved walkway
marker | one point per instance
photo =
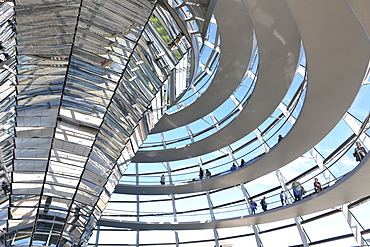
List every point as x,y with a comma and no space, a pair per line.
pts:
279,48
333,85
361,9
236,33
351,187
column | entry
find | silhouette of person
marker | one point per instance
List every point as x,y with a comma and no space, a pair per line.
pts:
280,137
5,187
282,198
208,174
252,205
163,179
201,173
317,185
360,152
233,167
297,190
264,204
242,163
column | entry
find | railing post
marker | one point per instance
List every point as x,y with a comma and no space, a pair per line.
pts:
256,229
297,220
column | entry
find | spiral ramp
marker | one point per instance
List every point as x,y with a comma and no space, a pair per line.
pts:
101,98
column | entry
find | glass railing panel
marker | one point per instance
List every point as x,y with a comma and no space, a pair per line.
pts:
338,135
290,239
360,213
333,226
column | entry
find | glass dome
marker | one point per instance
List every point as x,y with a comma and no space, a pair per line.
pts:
184,123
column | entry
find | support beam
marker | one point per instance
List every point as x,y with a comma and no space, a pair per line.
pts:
97,236
359,130
256,229
265,147
297,220
320,162
355,226
173,201
167,164
356,128
314,154
210,205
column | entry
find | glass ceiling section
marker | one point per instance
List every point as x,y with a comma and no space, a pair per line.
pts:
82,89
223,114
90,75
219,162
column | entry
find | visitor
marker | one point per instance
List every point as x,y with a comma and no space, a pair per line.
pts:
233,167
201,173
208,174
282,198
242,163
360,152
163,179
5,187
280,137
297,190
252,205
317,185
263,203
